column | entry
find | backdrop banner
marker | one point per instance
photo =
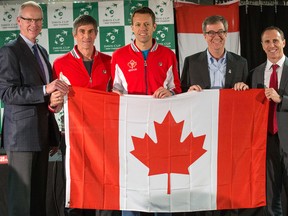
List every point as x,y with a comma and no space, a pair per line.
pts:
113,18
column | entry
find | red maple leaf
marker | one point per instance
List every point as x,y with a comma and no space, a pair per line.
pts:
168,155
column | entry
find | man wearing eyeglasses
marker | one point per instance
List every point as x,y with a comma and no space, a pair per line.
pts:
31,20
29,126
215,67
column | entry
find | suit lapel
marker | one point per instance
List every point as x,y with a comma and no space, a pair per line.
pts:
284,77
27,52
204,71
229,70
260,73
25,49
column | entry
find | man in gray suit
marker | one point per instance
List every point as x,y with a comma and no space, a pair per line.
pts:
215,67
29,128
273,42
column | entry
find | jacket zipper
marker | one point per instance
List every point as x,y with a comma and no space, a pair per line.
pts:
145,74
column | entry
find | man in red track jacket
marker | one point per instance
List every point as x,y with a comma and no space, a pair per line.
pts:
144,66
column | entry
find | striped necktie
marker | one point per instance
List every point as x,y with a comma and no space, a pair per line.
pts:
36,53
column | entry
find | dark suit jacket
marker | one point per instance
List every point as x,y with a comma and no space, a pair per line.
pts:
28,125
195,71
282,108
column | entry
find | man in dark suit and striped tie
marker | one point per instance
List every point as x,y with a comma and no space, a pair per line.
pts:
29,127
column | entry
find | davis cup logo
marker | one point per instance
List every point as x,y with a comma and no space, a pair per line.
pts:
86,10
161,34
8,15
60,38
58,12
134,7
160,9
110,10
111,36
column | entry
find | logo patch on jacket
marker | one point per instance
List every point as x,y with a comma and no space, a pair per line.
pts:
132,64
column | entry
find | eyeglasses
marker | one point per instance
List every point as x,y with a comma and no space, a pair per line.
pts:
212,33
30,20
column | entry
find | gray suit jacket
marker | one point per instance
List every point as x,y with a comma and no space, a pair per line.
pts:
282,108
195,71
28,125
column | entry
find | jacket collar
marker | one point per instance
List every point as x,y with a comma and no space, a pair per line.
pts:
153,48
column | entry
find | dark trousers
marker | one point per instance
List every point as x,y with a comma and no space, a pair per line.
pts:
240,212
80,212
214,213
137,213
90,212
27,183
275,171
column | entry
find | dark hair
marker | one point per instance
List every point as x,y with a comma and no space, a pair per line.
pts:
84,20
273,28
213,20
144,10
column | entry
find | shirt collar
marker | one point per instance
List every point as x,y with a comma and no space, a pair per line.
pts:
211,59
279,63
76,53
27,41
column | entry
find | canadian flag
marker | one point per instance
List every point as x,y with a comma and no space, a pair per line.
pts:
190,152
189,18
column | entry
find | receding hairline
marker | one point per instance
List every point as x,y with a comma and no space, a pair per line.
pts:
29,4
273,28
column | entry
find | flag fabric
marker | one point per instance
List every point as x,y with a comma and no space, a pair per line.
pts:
189,18
190,152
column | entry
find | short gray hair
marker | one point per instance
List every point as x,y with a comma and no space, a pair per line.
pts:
29,4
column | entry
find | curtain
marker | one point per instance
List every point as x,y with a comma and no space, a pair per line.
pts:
253,20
